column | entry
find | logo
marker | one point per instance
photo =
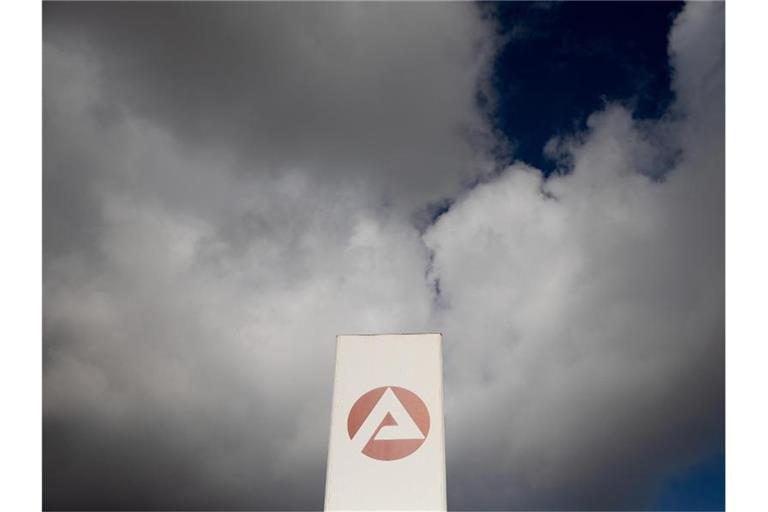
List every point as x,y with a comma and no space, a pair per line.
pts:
388,423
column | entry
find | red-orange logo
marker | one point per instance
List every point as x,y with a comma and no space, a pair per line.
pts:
389,422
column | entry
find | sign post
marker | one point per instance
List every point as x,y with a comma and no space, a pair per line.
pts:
387,443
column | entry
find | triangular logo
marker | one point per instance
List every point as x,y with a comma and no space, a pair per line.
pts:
388,423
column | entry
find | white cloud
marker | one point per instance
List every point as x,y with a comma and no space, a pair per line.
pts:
585,313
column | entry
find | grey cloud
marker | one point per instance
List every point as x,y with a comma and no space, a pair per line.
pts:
228,188
381,93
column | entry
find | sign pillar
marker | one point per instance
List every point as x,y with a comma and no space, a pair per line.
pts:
387,443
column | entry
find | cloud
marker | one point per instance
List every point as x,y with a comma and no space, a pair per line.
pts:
586,310
325,88
226,193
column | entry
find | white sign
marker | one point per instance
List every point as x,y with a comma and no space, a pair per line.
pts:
387,445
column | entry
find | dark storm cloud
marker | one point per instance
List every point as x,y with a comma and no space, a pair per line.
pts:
213,176
227,187
323,87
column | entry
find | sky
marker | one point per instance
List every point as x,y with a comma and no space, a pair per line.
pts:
227,187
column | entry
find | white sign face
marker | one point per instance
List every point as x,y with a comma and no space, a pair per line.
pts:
387,445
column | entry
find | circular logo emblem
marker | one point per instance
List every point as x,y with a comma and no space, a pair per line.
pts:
388,423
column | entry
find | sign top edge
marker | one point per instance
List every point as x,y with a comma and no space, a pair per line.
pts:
389,334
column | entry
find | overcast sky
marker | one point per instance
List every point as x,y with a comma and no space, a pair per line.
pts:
227,187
